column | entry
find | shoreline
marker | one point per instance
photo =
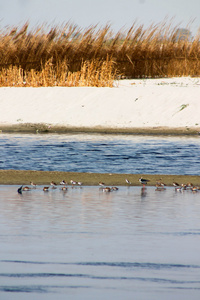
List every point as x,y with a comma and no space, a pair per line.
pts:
22,177
163,106
49,129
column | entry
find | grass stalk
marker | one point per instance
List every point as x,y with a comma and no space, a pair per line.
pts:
71,56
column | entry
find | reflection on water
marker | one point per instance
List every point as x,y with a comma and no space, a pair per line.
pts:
133,243
101,153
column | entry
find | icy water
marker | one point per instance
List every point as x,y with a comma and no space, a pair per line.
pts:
133,243
101,153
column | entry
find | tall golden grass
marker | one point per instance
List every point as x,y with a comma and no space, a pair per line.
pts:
71,56
92,73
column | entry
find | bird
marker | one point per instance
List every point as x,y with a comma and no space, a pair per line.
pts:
114,188
107,189
63,182
33,184
20,189
143,181
26,188
189,185
73,183
64,188
53,184
183,186
160,185
79,183
46,188
194,189
175,184
127,181
179,189
101,183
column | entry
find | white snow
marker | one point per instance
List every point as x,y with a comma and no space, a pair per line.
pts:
165,102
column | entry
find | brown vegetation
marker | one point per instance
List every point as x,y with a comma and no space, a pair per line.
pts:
70,56
97,73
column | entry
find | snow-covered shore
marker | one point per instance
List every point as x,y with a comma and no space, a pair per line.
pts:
143,103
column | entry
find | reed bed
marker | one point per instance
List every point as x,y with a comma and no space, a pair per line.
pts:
71,56
96,73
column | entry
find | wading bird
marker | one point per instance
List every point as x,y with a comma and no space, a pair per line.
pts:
26,188
63,182
46,188
143,181
33,184
20,189
128,182
176,184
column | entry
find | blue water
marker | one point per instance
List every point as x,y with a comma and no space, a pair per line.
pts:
101,153
88,244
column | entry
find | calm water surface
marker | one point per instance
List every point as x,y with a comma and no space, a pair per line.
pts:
87,244
101,153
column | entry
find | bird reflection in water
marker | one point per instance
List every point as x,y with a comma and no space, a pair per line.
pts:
143,191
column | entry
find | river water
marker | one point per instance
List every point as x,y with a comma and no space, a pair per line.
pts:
101,153
133,243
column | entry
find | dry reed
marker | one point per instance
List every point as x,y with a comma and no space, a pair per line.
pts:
70,56
95,73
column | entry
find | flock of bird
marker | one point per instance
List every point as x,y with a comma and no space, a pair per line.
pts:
73,183
183,187
159,186
53,185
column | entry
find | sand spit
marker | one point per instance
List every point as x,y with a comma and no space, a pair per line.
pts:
43,128
19,177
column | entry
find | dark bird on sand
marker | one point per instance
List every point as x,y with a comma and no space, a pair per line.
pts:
143,181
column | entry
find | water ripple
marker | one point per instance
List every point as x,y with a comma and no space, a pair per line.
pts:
103,277
101,153
155,266
23,289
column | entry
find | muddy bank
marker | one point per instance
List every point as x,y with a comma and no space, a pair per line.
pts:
44,128
16,177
